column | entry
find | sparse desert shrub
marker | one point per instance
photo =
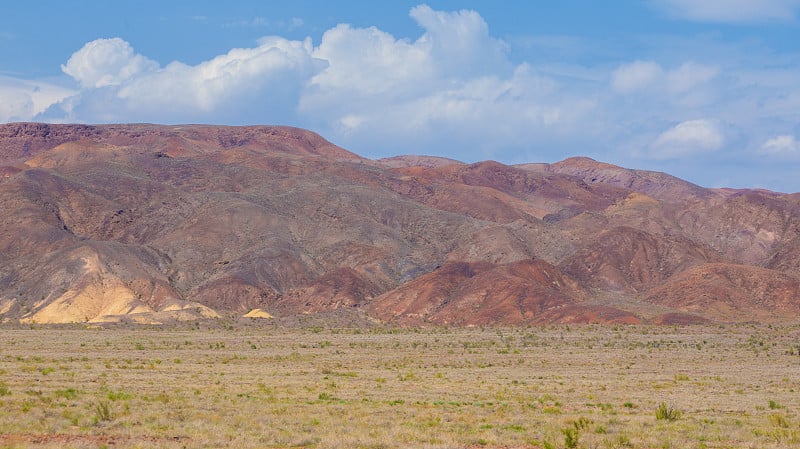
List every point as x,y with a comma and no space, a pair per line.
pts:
779,420
4,391
572,433
571,436
620,442
118,395
582,423
325,396
102,412
667,412
67,393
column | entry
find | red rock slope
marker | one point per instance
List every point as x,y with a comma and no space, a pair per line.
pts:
153,223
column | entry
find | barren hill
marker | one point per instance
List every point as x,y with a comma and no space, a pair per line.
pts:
150,223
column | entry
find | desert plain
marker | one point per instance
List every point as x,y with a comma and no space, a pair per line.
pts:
258,383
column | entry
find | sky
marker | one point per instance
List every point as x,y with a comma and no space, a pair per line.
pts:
706,90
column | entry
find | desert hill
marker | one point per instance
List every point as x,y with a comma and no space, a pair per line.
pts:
151,223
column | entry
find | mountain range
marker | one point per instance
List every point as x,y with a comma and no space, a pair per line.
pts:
152,223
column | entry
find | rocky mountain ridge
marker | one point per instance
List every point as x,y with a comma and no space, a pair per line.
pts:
151,223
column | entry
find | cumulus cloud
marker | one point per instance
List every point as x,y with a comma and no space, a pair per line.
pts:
455,80
24,99
730,11
368,61
276,62
256,83
106,62
781,146
482,117
453,85
687,138
459,42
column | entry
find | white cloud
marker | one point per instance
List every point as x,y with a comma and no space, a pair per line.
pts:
225,78
688,138
260,83
730,11
459,42
650,77
636,76
106,62
690,75
20,100
781,146
367,61
454,80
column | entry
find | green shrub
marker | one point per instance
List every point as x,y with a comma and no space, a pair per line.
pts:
102,412
571,436
774,405
667,412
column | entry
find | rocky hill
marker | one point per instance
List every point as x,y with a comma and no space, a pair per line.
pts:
151,223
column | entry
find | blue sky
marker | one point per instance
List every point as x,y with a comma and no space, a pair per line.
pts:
708,90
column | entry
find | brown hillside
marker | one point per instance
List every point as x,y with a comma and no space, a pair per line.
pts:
528,291
731,293
631,260
151,223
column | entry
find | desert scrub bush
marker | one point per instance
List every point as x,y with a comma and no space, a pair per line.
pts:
118,395
774,405
582,423
67,393
667,412
102,412
778,420
571,436
572,432
4,390
620,442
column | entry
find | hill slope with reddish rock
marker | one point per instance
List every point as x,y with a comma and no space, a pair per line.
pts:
150,223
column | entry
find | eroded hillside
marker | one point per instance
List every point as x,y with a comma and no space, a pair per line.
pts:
152,223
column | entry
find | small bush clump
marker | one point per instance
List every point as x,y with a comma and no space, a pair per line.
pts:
667,412
102,412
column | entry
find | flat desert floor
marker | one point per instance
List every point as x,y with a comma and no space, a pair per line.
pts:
265,386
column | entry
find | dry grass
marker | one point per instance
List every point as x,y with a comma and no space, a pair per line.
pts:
265,387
